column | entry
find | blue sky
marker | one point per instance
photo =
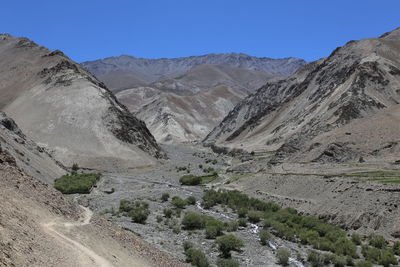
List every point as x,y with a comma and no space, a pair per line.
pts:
89,29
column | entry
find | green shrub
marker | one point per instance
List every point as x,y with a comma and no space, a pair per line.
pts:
167,213
165,197
371,254
191,200
242,212
283,255
363,263
76,183
192,221
232,226
178,202
254,216
387,258
328,258
315,259
159,219
396,248
75,167
187,245
356,239
214,228
190,180
344,246
196,258
377,241
349,261
339,261
265,236
227,263
242,222
228,243
139,212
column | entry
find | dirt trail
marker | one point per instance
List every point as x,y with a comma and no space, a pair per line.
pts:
87,256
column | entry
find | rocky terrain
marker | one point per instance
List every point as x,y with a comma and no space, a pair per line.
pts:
183,99
38,227
343,108
65,109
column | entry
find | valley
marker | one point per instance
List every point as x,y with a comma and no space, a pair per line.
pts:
343,198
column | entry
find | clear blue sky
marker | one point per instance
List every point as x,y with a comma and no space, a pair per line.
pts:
92,29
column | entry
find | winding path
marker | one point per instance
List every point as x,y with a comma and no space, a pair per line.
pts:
89,257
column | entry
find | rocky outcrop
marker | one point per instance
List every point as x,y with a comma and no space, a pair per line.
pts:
326,102
65,109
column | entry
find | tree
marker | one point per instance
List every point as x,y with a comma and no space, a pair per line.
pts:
283,255
228,243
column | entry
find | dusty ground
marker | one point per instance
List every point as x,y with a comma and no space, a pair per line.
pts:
38,227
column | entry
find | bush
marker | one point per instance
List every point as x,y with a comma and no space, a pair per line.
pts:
356,239
396,248
139,212
227,263
159,219
377,241
344,246
283,255
190,180
315,259
214,228
387,258
187,245
363,263
254,216
339,261
191,200
167,213
242,222
265,236
75,167
192,221
196,258
232,226
242,212
76,183
165,197
178,202
371,254
228,243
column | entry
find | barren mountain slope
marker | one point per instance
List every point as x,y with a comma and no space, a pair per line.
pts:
152,70
175,118
38,227
29,157
357,86
65,109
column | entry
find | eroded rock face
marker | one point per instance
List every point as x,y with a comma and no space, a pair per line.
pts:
327,102
64,108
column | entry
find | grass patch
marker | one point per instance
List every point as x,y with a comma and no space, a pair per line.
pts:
77,183
381,176
197,180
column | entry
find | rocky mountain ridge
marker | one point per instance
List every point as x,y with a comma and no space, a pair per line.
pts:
317,114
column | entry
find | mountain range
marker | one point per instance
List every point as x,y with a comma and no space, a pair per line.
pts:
182,99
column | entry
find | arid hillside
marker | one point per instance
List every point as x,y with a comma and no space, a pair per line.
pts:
338,109
65,109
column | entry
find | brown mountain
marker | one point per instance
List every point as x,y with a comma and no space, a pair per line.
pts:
341,108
